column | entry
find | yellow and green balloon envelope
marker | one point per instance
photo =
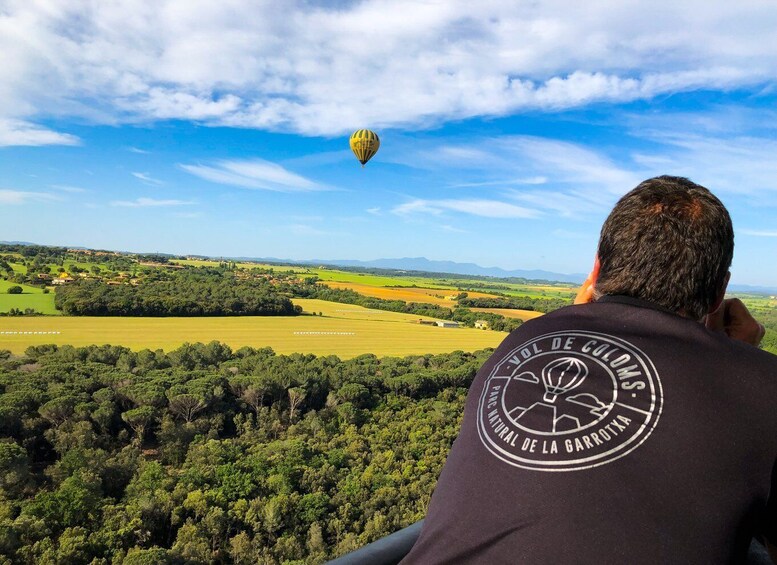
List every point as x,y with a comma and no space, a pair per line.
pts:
364,144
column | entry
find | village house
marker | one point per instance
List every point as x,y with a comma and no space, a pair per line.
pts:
63,278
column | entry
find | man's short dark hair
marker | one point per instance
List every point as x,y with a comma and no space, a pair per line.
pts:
669,241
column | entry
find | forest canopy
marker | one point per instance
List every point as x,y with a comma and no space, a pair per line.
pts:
207,292
204,454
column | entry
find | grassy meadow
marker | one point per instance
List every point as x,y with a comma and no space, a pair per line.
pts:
239,265
31,297
344,330
407,294
510,313
21,268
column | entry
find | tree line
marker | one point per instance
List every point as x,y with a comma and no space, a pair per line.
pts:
544,305
208,455
206,292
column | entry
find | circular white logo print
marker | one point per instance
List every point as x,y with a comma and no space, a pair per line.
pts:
567,401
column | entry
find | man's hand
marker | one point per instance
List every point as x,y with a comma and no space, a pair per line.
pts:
735,320
586,292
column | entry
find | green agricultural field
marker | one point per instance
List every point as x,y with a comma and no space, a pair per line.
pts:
53,267
560,290
532,291
375,280
757,302
32,297
80,264
206,263
343,330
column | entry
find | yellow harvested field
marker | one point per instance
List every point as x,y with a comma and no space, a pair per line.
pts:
510,313
344,330
555,288
408,294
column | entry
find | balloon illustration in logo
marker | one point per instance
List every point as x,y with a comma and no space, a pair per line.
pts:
561,376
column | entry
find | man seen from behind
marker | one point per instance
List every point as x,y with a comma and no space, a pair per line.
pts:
639,426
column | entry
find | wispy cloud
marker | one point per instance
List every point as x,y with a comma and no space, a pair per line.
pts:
374,211
545,176
296,69
523,160
758,233
475,207
733,164
138,150
254,174
505,182
8,196
307,230
68,188
147,179
18,132
568,234
568,202
149,203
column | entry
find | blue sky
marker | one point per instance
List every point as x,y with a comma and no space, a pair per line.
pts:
508,130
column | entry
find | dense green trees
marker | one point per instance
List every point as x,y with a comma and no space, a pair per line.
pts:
203,292
205,455
517,302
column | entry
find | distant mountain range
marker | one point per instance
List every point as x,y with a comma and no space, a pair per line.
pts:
428,265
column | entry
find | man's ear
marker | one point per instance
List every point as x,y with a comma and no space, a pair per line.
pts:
586,292
595,271
721,294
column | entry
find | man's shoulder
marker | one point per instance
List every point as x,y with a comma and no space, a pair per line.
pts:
640,323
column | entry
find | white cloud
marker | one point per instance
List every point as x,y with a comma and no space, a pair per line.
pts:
256,174
524,160
758,233
8,196
19,132
68,188
568,234
149,203
254,65
503,182
475,207
452,229
138,150
534,173
374,211
147,179
725,163
308,230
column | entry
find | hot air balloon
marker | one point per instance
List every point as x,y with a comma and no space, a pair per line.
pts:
364,144
561,376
